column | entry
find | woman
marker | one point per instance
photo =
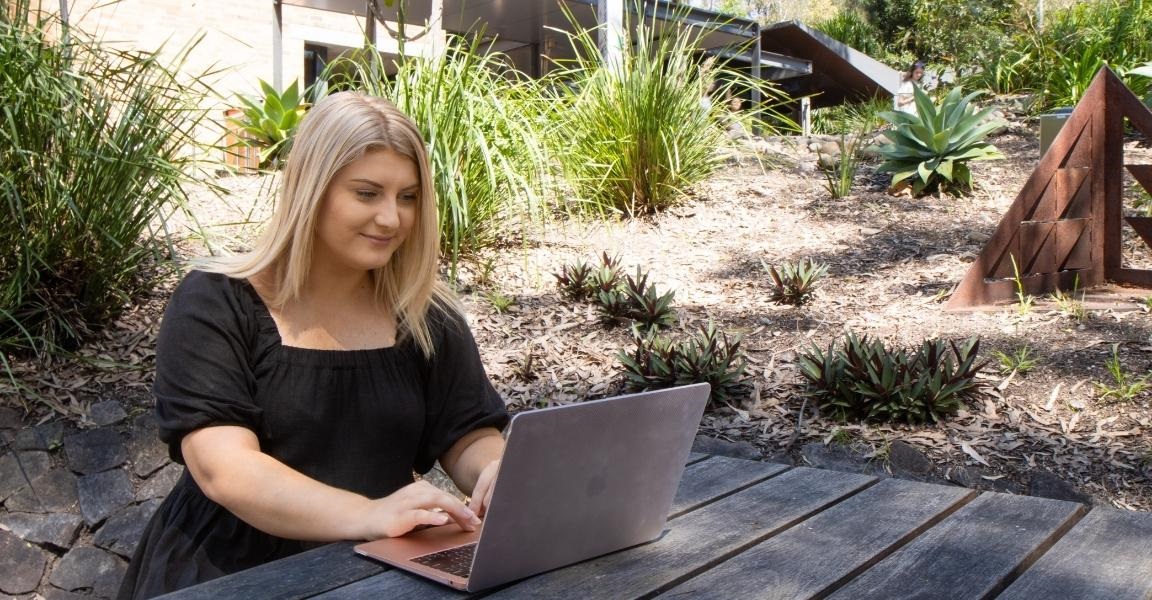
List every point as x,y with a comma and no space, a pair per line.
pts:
905,98
302,383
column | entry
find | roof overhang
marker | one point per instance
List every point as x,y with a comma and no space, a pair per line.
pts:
839,73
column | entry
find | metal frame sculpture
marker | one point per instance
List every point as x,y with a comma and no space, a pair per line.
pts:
1064,228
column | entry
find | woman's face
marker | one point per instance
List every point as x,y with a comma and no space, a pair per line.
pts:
367,212
917,73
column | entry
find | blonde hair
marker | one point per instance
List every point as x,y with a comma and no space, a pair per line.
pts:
337,131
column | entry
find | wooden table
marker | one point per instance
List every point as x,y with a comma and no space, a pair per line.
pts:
745,529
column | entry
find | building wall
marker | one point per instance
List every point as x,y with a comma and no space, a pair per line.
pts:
235,36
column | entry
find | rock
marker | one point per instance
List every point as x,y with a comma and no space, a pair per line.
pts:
719,447
55,491
1047,485
158,485
88,567
56,529
94,451
21,565
106,413
10,418
122,531
103,494
18,469
53,593
828,149
48,436
904,459
828,162
969,477
147,451
837,458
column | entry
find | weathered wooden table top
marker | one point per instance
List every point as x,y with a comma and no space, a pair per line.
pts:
745,529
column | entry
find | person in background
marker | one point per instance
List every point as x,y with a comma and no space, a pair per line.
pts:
905,98
303,383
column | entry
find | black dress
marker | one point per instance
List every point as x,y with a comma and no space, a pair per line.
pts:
359,420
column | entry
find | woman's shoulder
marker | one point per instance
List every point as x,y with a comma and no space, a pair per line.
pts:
208,290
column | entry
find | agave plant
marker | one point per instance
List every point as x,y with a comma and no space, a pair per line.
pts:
933,147
270,124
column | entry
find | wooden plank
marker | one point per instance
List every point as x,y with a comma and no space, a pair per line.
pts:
972,554
1106,556
813,558
703,480
697,540
298,576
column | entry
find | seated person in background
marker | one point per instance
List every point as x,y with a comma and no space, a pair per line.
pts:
905,98
303,383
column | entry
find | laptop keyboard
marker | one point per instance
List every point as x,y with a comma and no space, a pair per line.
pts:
457,561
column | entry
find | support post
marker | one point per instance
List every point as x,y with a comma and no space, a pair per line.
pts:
277,45
610,18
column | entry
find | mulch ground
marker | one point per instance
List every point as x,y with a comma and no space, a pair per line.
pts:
892,263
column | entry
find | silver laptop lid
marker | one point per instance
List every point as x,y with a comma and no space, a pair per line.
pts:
581,480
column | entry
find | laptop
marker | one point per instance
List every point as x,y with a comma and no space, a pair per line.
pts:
576,481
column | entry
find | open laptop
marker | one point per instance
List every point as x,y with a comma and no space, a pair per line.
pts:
576,481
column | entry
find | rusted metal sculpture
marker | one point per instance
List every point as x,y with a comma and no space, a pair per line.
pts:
1063,229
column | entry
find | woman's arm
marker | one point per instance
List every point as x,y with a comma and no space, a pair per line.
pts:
472,463
229,467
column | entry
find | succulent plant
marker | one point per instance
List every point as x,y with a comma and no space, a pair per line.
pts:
795,283
865,380
932,148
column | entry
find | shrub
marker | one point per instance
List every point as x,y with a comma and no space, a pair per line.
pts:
487,160
933,148
631,138
618,297
94,152
269,124
865,380
795,283
709,356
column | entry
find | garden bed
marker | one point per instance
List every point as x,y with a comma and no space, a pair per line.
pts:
892,262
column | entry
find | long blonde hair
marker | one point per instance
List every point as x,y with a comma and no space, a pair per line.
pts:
337,131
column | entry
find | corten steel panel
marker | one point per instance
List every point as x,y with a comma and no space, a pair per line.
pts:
1076,187
1143,227
1039,241
1142,174
1078,195
1074,243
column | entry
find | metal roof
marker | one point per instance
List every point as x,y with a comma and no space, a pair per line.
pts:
839,72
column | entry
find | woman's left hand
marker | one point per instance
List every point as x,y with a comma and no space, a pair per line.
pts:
482,493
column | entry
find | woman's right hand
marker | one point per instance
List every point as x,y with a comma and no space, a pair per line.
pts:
415,505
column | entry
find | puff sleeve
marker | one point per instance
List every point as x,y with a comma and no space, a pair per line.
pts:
203,357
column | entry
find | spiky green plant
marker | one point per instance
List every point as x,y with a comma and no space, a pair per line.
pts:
932,149
269,123
632,137
709,356
97,146
574,279
865,380
647,306
795,283
488,164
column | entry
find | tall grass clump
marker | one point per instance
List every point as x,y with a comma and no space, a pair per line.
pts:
488,164
94,149
630,138
1058,62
